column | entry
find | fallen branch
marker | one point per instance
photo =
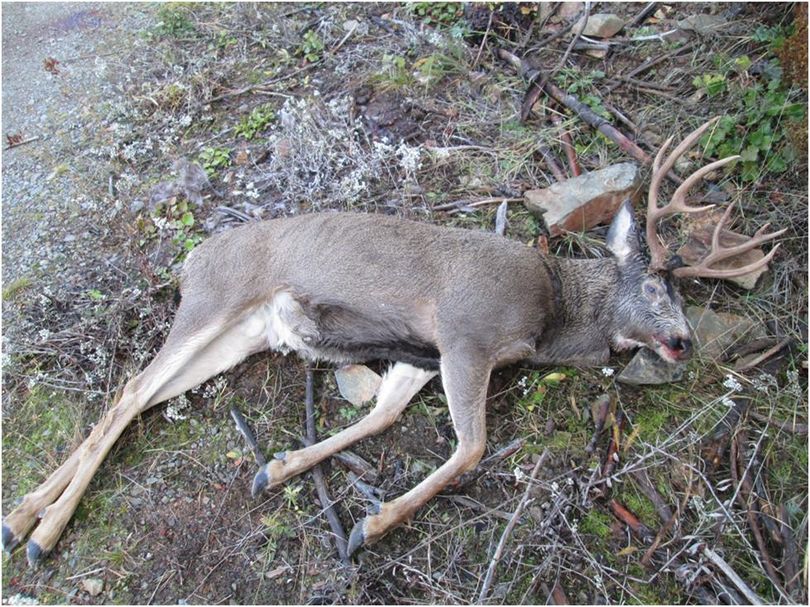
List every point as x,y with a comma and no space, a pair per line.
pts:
17,144
317,474
508,530
582,110
792,427
732,575
247,434
649,63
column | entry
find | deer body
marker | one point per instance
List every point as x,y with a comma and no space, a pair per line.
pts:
349,287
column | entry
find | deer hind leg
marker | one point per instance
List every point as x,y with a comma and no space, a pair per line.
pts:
465,385
397,389
191,355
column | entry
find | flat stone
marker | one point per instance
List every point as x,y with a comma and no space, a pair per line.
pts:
580,203
357,383
92,586
601,25
647,368
702,24
715,332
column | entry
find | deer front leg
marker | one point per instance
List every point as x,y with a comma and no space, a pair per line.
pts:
397,389
465,385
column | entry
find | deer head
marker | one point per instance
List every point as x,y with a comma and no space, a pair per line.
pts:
648,311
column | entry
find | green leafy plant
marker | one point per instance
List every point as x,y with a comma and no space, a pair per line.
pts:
174,20
713,84
311,47
757,131
213,159
255,122
178,217
442,13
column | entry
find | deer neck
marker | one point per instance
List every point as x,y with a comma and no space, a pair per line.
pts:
585,290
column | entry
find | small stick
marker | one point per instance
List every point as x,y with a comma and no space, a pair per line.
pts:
638,528
645,12
488,463
23,142
650,492
247,433
317,474
721,564
551,162
790,558
557,594
568,146
792,427
508,530
765,355
744,497
473,203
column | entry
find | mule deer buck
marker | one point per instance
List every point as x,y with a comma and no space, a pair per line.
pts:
344,287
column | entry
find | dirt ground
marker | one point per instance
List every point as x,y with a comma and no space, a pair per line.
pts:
404,110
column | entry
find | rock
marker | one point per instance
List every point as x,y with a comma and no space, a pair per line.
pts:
647,368
357,383
92,586
567,10
701,24
580,203
714,332
601,25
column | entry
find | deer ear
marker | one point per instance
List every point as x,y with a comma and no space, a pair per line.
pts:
623,235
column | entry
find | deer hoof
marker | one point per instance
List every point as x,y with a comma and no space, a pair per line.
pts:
35,553
9,540
259,482
357,537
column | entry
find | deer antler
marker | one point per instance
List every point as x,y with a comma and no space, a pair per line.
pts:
658,253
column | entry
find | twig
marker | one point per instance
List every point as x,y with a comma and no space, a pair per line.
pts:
558,34
23,142
765,355
488,463
474,203
639,529
551,162
792,427
643,83
567,145
744,497
653,62
247,434
650,492
583,111
317,474
790,558
508,530
645,12
735,579
483,42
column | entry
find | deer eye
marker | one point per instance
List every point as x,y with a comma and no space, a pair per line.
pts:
649,289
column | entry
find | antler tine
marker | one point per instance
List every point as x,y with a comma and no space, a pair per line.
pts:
658,253
718,253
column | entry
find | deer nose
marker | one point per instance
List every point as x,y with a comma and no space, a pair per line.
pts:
681,345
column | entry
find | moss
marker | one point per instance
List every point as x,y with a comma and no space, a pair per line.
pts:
15,287
595,523
38,436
